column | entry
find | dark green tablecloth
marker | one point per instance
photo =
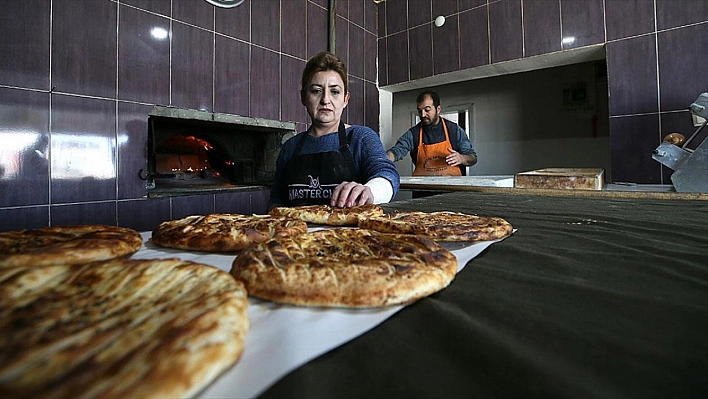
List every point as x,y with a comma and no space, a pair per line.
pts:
591,297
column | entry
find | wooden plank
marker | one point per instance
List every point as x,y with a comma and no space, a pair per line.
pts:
562,179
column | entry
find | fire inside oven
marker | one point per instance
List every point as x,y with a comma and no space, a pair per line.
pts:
189,157
196,148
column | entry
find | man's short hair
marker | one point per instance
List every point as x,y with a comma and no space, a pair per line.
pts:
433,96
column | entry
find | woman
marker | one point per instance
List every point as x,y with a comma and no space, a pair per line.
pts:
331,163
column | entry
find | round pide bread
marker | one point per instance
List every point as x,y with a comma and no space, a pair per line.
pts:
440,226
224,232
118,329
344,267
66,245
329,215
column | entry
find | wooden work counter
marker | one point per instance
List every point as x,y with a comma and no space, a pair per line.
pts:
500,185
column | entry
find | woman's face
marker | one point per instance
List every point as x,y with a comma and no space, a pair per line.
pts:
325,98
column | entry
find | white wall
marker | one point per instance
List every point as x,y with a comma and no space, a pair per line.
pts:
520,121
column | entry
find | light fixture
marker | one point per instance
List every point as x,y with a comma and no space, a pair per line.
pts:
439,21
225,3
568,40
159,33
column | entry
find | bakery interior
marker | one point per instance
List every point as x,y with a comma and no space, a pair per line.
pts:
108,106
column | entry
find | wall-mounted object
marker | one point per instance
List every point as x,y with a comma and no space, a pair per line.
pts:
690,165
225,3
439,21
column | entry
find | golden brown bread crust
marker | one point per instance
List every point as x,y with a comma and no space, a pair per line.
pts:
441,226
118,329
66,244
345,267
223,232
325,214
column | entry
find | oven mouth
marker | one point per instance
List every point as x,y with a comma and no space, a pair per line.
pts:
192,151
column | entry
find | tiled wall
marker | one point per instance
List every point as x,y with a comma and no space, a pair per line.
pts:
78,78
656,57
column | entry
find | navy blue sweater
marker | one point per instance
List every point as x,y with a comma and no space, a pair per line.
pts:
366,148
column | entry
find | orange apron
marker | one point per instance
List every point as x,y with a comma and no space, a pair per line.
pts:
430,160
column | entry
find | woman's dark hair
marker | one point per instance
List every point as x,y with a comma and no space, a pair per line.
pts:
324,61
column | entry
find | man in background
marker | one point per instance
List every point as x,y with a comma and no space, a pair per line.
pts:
437,146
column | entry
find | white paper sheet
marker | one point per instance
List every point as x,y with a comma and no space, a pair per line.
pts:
282,337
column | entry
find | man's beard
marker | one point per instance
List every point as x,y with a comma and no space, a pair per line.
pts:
432,121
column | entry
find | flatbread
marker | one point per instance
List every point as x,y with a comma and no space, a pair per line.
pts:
328,215
67,245
118,329
345,267
441,226
224,232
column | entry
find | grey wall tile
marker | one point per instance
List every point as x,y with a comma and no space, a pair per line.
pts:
355,109
143,58
265,82
84,47
625,18
192,59
372,107
397,54
342,41
542,31
444,8
292,108
371,17
505,30
83,149
239,202
24,44
192,205
35,217
446,46
632,142
631,67
356,60
316,29
294,22
232,76
470,4
382,46
474,38
162,7
356,12
675,13
24,157
683,74
144,214
342,8
396,16
259,201
370,56
381,19
132,149
86,213
265,24
422,52
236,21
419,12
583,20
198,13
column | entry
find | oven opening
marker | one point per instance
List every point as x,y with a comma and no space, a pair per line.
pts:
195,151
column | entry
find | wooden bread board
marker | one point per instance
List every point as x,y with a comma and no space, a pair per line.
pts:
562,178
